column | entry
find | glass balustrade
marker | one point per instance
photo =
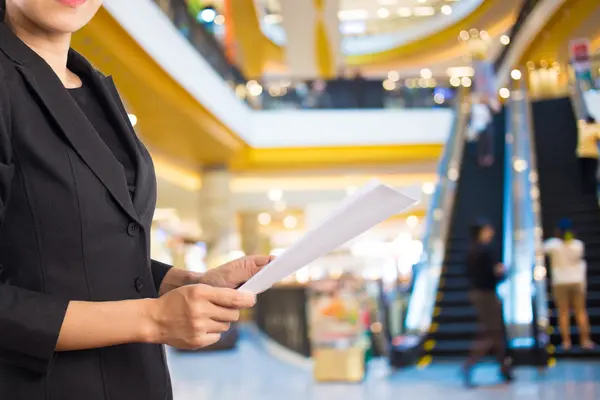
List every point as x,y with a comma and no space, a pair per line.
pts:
524,291
437,224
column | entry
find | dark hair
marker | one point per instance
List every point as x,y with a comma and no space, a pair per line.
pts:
476,228
590,120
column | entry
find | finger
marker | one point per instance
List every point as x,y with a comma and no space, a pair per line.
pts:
231,298
261,260
209,338
217,326
222,314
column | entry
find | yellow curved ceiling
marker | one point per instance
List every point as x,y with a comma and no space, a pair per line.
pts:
179,130
494,16
574,19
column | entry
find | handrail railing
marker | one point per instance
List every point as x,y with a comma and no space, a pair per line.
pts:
288,93
526,9
202,40
437,224
525,302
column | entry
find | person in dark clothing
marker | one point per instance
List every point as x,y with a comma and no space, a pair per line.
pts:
485,273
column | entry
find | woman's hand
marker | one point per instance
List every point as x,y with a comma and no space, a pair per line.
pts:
195,316
230,275
236,272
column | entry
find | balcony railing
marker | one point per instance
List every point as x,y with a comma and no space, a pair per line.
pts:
290,93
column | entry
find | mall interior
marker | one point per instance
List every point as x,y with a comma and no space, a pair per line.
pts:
262,116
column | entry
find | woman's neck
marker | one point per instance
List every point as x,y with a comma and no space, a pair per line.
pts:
52,47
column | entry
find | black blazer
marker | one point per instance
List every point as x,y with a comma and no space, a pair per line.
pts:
69,230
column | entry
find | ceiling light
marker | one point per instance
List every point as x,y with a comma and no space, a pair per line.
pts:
439,98
504,93
353,27
383,13
254,88
428,188
515,74
505,40
455,81
446,10
290,222
424,11
133,119
264,218
466,81
220,19
426,73
389,85
353,14
410,83
207,15
275,194
412,221
464,35
404,12
394,76
484,35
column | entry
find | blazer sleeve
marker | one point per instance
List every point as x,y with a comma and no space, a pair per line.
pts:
159,271
30,322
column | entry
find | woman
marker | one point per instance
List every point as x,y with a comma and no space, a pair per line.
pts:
484,273
569,283
80,316
587,151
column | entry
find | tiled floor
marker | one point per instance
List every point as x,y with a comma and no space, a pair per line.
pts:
251,374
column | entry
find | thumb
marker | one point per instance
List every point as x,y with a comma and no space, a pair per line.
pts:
261,260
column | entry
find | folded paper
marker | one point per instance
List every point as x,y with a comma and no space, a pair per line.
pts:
365,208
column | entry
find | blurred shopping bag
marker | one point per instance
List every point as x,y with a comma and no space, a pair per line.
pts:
339,365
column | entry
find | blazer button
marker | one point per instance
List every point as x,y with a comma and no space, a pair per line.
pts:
133,229
139,284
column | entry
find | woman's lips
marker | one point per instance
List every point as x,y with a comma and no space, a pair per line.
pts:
72,3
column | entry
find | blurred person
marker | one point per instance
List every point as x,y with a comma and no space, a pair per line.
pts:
359,89
481,129
317,97
587,152
568,268
80,312
485,272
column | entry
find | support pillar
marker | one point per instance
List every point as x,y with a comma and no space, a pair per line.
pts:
217,216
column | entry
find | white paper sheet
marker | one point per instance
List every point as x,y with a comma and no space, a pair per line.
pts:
362,210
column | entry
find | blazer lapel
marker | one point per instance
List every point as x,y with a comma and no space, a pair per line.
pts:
79,132
106,86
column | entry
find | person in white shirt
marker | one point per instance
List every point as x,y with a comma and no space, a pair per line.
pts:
569,283
587,152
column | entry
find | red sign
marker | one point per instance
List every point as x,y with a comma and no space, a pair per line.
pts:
579,50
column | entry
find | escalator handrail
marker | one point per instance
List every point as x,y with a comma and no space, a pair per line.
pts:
526,9
420,305
524,224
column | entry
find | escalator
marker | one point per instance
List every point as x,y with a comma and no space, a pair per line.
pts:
479,195
561,197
